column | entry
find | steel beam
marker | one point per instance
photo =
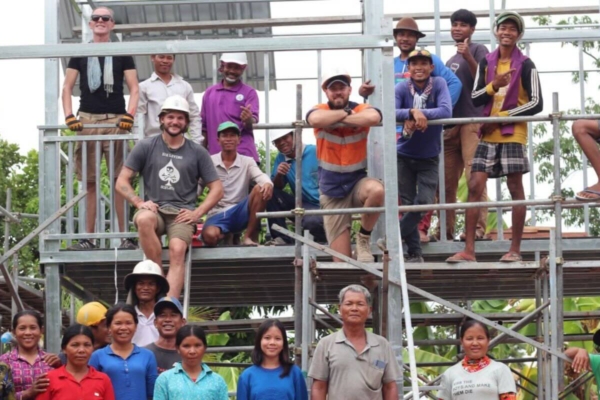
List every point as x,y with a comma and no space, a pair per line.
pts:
426,295
207,46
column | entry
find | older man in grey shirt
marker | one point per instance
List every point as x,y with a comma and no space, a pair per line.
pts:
155,90
353,364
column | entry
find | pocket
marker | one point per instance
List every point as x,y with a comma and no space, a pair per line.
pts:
374,377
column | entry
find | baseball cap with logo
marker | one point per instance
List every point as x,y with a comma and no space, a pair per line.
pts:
168,301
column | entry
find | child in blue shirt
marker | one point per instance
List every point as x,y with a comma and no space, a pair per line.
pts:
273,375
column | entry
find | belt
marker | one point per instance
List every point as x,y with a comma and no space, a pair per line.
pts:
97,117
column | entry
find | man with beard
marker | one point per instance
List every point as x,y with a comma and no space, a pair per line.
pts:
230,100
419,99
169,318
342,160
155,90
236,211
284,173
506,85
101,102
171,166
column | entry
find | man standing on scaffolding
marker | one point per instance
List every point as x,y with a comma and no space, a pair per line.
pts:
407,35
418,100
507,85
342,160
353,363
101,102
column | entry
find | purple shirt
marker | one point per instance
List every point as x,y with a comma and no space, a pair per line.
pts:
221,104
24,373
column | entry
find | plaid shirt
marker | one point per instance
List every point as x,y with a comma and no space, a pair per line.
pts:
24,373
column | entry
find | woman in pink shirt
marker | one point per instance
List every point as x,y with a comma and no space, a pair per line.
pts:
29,364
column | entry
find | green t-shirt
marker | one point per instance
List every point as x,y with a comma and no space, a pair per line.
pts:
595,363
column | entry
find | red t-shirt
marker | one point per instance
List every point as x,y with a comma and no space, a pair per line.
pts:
94,386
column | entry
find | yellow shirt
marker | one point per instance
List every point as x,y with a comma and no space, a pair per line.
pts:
520,134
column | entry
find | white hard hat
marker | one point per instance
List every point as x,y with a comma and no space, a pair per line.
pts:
147,268
175,103
279,133
236,58
341,74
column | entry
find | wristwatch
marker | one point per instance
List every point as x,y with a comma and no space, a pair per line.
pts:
348,110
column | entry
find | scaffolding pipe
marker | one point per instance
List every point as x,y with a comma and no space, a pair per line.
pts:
298,228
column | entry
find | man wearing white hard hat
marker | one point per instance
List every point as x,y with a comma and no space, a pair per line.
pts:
283,174
342,160
144,286
230,100
154,91
171,166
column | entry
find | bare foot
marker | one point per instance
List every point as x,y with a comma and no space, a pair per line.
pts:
249,242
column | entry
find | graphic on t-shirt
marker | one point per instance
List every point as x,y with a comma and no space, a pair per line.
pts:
499,99
170,175
454,67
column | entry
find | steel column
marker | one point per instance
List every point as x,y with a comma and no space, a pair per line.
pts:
298,310
307,320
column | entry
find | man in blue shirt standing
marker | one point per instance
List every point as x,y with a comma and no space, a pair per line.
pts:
284,173
418,100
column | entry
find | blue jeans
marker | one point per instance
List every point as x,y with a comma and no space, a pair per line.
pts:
417,184
282,201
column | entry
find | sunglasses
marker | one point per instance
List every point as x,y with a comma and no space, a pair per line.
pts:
104,18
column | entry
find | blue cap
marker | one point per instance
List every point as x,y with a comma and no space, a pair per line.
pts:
168,301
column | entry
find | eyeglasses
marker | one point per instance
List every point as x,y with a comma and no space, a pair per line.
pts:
104,18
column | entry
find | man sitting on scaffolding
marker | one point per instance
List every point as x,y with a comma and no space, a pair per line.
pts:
507,85
101,102
171,166
342,159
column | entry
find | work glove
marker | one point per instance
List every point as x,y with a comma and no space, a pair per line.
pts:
73,123
126,122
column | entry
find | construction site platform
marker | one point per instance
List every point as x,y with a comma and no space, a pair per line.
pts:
243,276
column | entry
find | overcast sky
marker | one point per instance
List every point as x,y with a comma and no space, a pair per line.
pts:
22,94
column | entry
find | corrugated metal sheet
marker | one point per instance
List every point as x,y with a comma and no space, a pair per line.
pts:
197,69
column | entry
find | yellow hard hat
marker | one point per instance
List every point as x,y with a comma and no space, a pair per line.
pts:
91,313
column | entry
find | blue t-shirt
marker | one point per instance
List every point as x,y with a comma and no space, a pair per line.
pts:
132,378
310,174
258,383
425,144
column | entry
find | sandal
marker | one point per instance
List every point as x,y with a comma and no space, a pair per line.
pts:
511,257
580,195
460,257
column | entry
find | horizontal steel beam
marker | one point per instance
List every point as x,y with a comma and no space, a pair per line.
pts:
209,46
228,24
531,36
530,12
134,3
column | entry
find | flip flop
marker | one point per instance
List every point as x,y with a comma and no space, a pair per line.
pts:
460,257
511,257
579,196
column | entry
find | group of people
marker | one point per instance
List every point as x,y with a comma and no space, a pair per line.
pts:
103,357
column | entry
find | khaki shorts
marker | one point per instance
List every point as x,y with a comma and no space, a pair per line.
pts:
165,224
118,145
335,225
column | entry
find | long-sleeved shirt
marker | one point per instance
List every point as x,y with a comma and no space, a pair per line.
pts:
175,384
454,85
153,93
133,378
23,372
428,143
236,180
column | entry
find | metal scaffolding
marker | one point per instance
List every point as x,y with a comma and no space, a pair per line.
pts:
303,275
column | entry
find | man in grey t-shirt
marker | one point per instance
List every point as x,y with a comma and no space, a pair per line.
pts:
353,364
461,141
169,319
171,166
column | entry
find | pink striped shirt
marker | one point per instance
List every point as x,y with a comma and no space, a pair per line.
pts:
24,373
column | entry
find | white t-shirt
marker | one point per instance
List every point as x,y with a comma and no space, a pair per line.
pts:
486,384
146,332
